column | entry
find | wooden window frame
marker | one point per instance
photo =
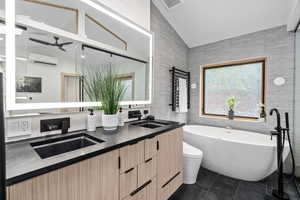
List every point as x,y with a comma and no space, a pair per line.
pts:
230,64
63,75
43,3
129,76
107,30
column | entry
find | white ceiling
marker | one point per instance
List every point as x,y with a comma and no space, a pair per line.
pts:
200,22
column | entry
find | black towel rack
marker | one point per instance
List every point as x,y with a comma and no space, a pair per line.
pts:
178,73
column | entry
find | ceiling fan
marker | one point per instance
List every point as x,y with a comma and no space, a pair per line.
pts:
55,44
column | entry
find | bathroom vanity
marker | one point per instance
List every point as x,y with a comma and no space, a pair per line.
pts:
56,56
131,163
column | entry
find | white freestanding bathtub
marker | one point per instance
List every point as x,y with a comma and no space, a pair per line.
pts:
238,154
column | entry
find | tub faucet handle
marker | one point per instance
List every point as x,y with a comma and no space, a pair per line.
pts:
273,133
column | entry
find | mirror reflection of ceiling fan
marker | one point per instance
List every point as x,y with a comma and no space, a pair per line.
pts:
55,44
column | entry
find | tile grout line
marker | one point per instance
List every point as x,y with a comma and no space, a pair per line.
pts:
217,177
209,188
236,190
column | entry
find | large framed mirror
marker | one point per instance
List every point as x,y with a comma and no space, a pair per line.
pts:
51,56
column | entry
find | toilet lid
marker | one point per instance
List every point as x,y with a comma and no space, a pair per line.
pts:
190,151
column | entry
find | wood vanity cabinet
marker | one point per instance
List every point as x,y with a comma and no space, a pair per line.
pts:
150,169
94,179
151,147
146,192
161,164
170,162
131,155
138,170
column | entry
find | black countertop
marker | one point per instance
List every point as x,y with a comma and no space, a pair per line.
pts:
22,162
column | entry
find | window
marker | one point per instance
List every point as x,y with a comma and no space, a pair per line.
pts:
245,80
128,81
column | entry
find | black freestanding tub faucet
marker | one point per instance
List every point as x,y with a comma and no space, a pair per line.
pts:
278,193
278,127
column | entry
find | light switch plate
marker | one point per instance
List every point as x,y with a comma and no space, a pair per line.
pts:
19,127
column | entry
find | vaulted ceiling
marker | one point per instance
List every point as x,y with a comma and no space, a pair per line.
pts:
200,22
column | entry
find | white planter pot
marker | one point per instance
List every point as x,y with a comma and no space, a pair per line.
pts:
110,122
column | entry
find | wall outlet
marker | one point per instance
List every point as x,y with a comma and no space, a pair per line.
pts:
19,127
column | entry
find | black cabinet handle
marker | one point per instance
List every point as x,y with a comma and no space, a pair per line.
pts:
171,180
140,188
148,160
119,160
129,170
157,145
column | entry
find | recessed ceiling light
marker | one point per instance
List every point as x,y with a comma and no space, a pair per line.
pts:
1,38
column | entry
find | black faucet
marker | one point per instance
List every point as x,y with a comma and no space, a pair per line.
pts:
135,114
279,132
278,127
64,126
55,124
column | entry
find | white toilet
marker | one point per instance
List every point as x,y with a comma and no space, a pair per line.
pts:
192,158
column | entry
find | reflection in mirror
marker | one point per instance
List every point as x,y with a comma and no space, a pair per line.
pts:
97,31
128,81
2,9
132,73
2,36
2,43
46,68
51,67
101,27
60,14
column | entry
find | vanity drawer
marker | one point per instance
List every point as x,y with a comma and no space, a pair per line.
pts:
146,171
145,192
150,147
164,192
131,156
128,182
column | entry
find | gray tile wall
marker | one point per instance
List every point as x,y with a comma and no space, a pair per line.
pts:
276,44
169,50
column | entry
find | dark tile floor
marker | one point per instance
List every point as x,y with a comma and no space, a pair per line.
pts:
212,186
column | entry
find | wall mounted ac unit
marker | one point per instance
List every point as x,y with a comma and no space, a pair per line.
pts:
42,59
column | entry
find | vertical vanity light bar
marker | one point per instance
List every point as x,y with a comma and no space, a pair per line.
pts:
10,52
150,68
